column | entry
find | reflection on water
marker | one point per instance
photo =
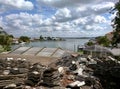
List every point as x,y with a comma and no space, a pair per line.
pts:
69,44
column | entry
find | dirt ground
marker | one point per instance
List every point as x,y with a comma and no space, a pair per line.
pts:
33,59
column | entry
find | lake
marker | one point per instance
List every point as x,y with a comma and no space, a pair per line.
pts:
68,44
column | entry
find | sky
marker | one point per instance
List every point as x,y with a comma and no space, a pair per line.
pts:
57,18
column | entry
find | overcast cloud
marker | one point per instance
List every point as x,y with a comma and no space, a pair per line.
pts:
76,18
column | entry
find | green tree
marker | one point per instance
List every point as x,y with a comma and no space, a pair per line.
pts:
24,39
103,40
5,42
116,25
41,38
11,36
90,43
49,38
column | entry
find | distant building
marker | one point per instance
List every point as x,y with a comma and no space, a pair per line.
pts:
15,41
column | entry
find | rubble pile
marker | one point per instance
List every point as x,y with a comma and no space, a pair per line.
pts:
67,73
108,72
90,73
13,72
34,75
77,75
66,61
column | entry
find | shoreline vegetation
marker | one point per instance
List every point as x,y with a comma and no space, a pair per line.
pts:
26,39
41,38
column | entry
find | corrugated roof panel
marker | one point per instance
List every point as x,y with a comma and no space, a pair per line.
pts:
58,53
20,50
36,51
47,52
32,51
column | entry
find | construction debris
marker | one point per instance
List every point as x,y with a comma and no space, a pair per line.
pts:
68,72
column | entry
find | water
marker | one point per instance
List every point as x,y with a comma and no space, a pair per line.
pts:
68,44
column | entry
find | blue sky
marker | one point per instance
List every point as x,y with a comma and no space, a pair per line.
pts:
61,18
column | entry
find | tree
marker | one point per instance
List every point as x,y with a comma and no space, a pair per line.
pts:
49,38
11,36
90,43
5,42
41,38
116,25
103,40
24,39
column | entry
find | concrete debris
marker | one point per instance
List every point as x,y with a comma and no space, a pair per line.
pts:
10,86
6,72
77,84
51,77
34,74
68,72
61,70
80,71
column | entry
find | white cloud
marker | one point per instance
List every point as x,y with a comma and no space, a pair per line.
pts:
1,21
63,15
15,4
102,7
72,18
72,13
23,22
100,19
24,19
79,9
66,3
82,20
88,27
